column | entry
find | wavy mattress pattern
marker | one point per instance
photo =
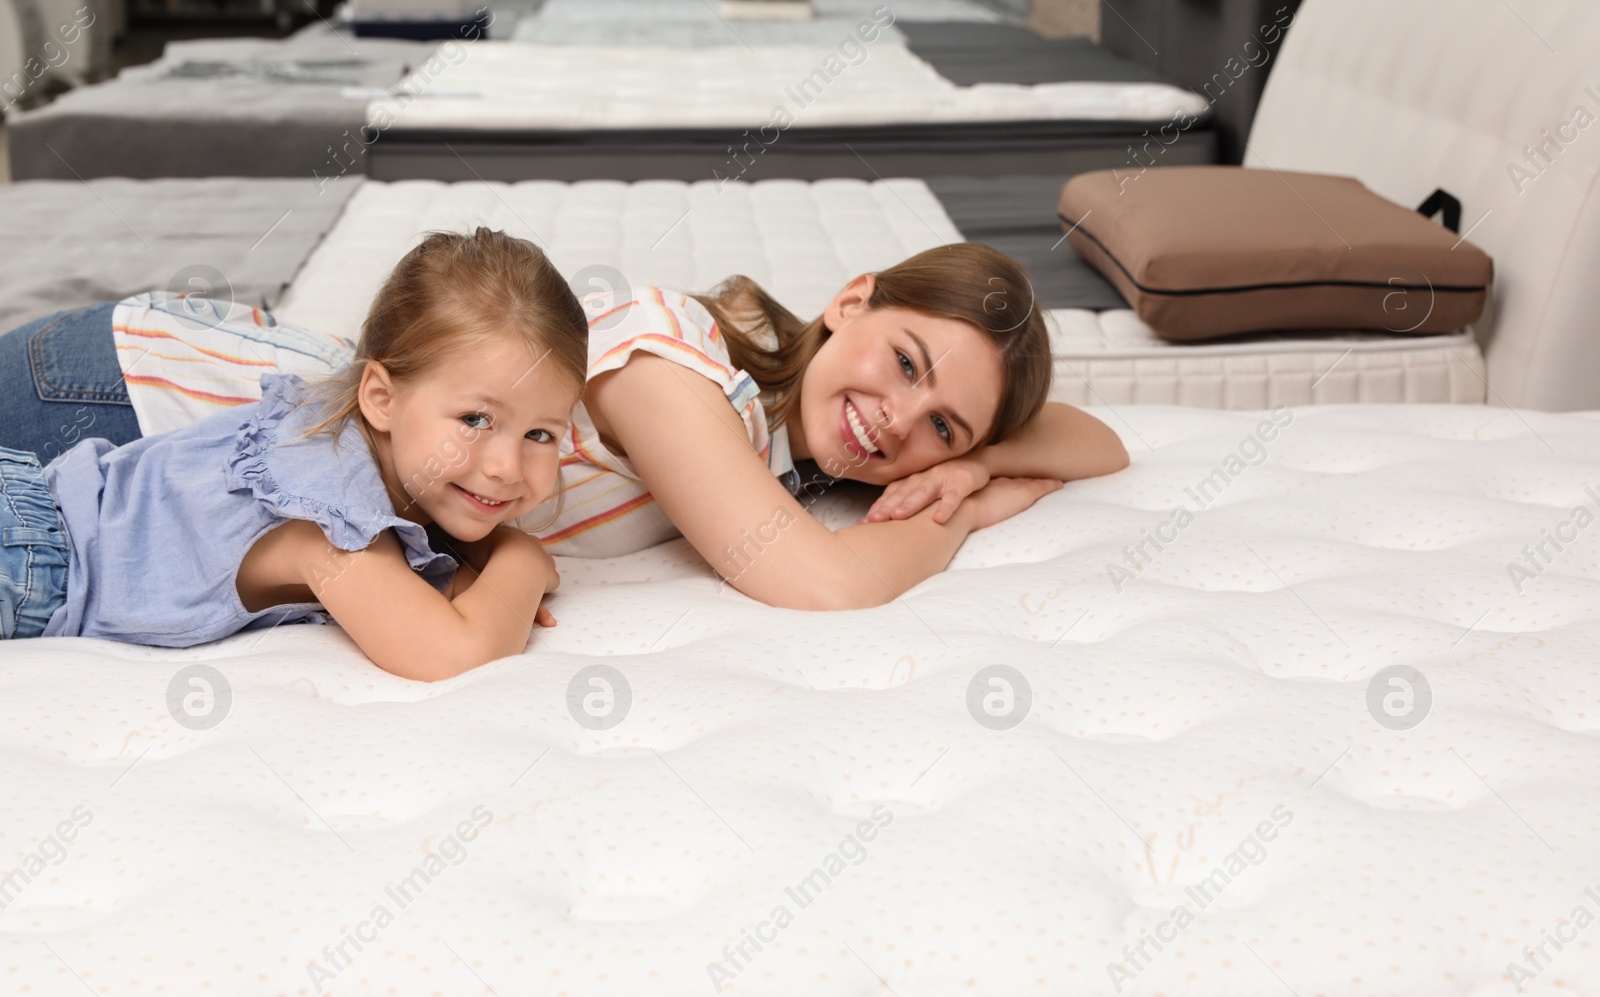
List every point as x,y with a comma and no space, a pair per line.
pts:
514,85
803,240
1217,746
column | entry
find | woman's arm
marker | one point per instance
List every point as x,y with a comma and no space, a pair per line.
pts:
1061,442
690,449
401,622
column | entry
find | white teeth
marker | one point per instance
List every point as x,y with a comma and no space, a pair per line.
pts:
860,430
485,501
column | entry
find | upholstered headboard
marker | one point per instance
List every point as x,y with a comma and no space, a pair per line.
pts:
1496,102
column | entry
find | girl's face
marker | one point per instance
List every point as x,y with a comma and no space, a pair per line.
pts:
892,392
473,442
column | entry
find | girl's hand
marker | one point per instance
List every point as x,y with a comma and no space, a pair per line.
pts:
1003,498
475,556
949,483
542,617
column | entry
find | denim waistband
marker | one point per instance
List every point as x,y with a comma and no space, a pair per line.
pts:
34,551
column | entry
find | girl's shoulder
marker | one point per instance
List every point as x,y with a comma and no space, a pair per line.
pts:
329,477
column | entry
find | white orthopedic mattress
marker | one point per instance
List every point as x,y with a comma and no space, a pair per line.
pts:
518,86
608,13
1196,759
710,30
804,240
692,24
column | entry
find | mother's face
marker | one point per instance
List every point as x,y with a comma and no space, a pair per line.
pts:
892,392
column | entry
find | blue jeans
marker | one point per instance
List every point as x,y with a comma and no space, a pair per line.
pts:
60,382
33,548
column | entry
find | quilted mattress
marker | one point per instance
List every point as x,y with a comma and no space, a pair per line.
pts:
1330,732
515,86
697,25
805,240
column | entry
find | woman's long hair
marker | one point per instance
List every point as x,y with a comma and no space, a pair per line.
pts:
966,281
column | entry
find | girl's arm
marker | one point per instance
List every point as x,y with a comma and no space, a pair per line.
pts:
691,451
473,556
402,623
1061,442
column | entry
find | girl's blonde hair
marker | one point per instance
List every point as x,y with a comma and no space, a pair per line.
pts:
966,281
456,292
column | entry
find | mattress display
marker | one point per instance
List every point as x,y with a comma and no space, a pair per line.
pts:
1301,731
539,87
607,13
76,244
696,25
686,27
804,241
203,107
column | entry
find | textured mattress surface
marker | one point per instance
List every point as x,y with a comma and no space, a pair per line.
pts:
510,85
610,12
803,241
708,31
697,25
1322,740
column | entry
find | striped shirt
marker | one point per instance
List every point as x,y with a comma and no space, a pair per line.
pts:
606,509
185,358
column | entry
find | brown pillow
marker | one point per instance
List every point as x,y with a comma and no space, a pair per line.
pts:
1204,251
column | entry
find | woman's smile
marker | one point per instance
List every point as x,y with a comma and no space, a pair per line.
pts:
860,437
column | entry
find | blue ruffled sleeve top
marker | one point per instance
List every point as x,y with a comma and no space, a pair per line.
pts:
159,527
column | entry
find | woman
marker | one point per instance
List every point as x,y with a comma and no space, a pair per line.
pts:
930,377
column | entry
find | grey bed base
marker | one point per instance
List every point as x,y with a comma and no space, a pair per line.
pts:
966,54
868,153
75,244
235,107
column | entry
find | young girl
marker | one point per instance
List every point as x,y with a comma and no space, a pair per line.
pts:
377,496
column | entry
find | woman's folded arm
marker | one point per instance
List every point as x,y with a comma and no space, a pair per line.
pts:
701,469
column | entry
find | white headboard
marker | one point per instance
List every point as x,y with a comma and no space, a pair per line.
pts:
1414,95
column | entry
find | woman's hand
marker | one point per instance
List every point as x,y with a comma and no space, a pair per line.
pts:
1003,498
949,483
